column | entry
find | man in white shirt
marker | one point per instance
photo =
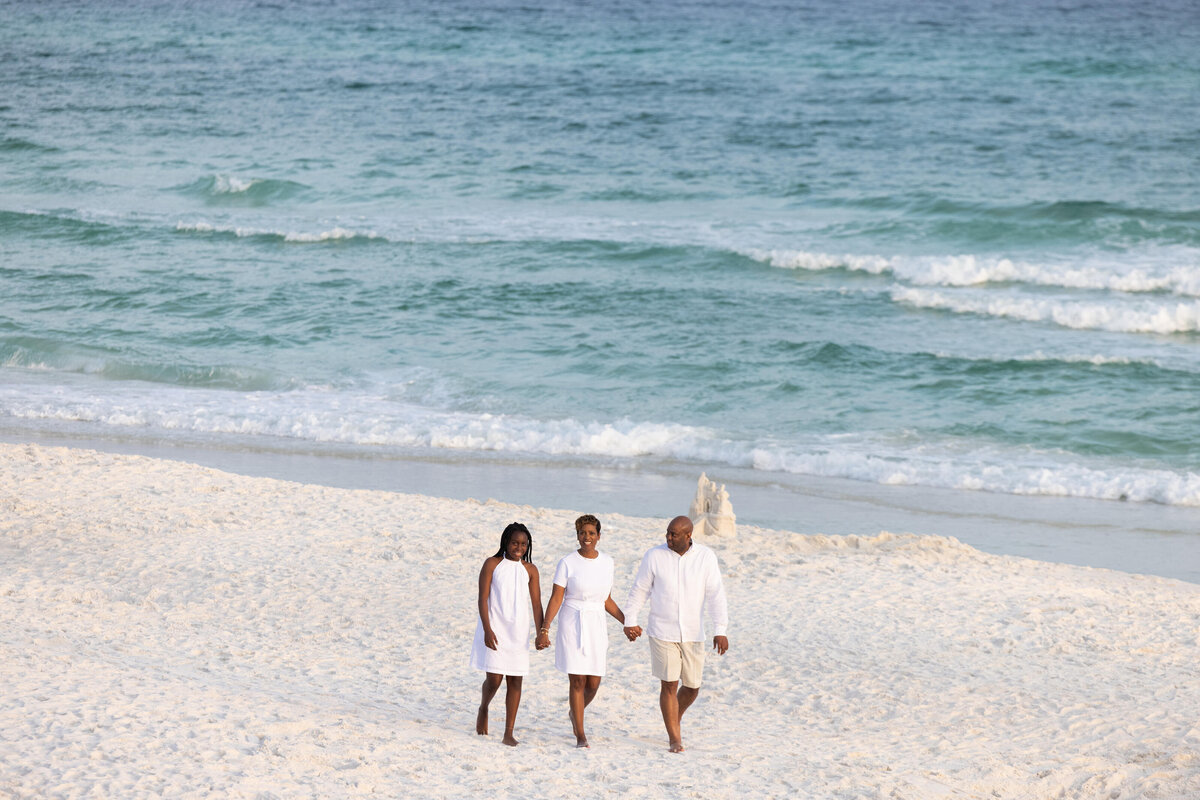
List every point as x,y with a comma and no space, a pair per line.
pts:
681,578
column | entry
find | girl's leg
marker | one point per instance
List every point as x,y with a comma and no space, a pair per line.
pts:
512,701
491,684
577,704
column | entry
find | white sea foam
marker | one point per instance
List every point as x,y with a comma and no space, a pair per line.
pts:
327,236
20,358
334,234
1176,272
1103,360
818,262
1069,358
1143,317
231,184
317,415
1095,360
1037,474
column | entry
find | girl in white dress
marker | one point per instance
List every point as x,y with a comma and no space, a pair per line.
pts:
583,590
508,587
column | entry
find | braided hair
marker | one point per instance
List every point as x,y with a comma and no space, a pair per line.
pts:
512,529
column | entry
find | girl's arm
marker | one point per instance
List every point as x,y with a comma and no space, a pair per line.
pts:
535,594
556,601
485,588
612,608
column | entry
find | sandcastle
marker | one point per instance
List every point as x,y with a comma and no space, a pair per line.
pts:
711,512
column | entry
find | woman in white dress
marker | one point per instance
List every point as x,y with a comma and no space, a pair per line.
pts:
508,587
583,591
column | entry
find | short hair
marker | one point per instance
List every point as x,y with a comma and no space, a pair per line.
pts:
587,519
510,531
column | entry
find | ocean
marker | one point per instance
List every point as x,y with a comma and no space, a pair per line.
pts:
951,245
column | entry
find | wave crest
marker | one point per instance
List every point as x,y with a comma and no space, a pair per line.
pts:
971,270
1160,318
336,234
45,355
233,190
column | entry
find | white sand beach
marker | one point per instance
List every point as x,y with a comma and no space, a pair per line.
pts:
169,630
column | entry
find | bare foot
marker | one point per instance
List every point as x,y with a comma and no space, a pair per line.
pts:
509,740
481,721
580,739
676,747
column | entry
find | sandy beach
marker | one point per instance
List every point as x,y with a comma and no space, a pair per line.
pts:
172,630
301,306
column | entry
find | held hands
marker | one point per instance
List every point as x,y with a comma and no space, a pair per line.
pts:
542,641
721,644
632,632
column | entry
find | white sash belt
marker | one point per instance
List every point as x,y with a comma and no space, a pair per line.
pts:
590,621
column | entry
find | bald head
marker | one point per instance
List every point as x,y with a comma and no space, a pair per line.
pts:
681,524
679,534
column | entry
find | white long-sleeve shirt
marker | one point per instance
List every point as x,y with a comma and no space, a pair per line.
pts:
679,588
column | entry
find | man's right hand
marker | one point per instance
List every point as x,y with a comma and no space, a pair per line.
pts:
632,632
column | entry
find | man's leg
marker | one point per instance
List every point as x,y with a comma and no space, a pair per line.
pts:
666,664
687,696
668,703
690,670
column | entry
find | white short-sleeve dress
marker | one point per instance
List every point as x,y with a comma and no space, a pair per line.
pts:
581,644
509,613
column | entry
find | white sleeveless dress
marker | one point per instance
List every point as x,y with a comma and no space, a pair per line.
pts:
509,612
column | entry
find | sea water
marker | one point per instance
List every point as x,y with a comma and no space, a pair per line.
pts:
951,245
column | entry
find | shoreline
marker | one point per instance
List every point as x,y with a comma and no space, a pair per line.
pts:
1138,538
168,629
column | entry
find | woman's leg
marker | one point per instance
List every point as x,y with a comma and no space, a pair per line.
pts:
512,701
578,691
589,691
491,684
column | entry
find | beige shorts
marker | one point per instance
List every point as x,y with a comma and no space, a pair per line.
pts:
677,661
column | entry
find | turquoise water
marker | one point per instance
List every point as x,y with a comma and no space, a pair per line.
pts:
949,245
